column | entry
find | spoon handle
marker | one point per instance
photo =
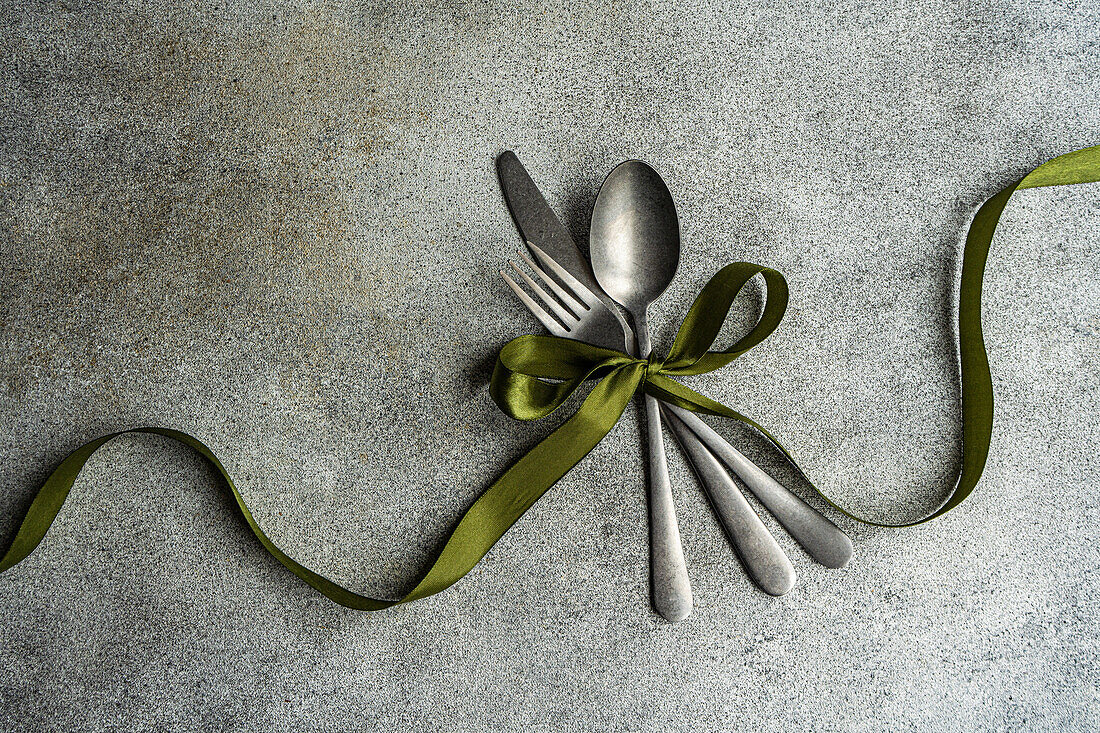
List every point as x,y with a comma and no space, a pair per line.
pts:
763,558
822,539
671,586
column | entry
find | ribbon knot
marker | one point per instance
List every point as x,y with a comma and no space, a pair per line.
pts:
653,367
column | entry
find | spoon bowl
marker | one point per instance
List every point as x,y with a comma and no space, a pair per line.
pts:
635,236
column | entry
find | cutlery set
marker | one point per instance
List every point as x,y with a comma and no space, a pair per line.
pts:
635,251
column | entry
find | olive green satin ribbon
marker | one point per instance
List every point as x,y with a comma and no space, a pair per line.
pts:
519,388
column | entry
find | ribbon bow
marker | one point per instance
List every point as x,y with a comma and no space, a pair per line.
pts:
519,387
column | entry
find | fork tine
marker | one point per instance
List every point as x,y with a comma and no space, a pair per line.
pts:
562,314
583,294
537,311
575,306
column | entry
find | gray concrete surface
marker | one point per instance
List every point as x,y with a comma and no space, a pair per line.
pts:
254,221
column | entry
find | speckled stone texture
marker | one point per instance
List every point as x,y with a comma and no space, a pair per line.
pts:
279,228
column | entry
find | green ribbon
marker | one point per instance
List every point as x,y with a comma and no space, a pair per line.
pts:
520,388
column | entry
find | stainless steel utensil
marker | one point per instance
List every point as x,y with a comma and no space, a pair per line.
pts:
634,244
763,558
538,223
819,537
584,317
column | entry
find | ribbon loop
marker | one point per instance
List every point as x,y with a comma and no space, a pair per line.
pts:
519,385
690,353
521,390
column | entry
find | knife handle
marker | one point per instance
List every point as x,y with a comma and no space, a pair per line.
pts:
671,585
822,539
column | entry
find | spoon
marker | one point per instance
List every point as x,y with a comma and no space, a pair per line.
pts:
635,249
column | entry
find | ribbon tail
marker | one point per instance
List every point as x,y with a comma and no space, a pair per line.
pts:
483,524
528,479
674,393
51,497
976,382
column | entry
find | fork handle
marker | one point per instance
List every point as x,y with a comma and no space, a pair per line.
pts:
671,586
822,539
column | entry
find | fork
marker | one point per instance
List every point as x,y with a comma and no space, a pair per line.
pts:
578,314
